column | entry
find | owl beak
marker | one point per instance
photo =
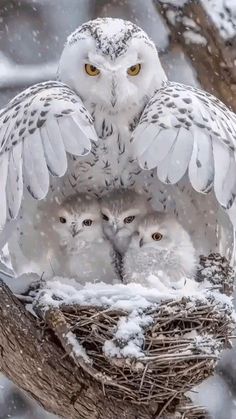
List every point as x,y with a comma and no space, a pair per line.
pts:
141,243
114,227
75,232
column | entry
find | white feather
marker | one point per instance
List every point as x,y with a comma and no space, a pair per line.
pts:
144,138
231,122
175,164
36,176
159,147
14,186
6,129
3,136
87,129
228,137
3,178
54,148
225,174
201,167
219,129
73,137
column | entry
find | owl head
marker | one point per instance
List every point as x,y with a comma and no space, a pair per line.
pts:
77,219
111,63
161,235
161,231
121,213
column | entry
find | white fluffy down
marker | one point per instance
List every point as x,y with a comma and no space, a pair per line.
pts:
172,258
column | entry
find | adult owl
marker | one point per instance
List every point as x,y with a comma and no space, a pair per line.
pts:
113,120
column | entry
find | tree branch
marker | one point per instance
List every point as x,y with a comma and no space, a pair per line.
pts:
212,59
37,364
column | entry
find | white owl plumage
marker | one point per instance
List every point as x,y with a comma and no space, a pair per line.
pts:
160,247
113,120
70,244
121,211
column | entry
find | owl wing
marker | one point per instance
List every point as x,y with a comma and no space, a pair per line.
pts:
184,129
37,128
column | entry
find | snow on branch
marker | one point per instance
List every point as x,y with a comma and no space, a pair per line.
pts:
202,35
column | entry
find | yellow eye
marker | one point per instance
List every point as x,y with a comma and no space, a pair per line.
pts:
91,70
157,236
134,70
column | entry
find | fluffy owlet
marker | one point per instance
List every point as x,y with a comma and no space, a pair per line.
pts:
121,213
160,245
73,243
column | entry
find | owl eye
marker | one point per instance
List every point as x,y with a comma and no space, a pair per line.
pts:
134,70
157,236
62,220
87,222
91,70
130,219
105,217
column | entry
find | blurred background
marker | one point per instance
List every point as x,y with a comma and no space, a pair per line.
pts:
32,35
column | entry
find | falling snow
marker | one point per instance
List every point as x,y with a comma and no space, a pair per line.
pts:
31,38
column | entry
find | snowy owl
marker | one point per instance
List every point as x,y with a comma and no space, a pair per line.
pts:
111,120
72,239
121,213
161,246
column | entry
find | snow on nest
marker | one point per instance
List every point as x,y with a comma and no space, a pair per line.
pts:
128,337
127,297
133,299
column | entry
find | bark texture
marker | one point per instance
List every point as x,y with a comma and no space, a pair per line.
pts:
36,362
212,59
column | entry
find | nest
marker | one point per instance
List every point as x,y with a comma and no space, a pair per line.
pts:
180,349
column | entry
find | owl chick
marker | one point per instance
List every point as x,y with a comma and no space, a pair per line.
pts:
87,254
160,246
121,213
73,242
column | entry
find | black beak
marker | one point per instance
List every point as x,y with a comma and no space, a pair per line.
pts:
75,232
140,242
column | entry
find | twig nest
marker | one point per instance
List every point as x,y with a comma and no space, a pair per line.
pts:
141,345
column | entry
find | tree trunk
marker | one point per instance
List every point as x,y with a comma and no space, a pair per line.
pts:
212,59
36,362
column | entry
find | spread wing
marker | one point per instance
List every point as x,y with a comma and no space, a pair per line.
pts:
184,129
37,128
